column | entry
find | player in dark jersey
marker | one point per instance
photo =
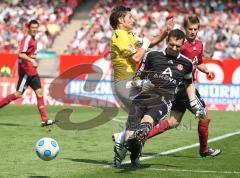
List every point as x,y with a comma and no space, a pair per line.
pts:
28,76
193,49
158,76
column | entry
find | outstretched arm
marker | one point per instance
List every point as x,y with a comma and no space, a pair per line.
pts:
191,92
202,67
163,33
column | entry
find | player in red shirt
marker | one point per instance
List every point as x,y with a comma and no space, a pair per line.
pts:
193,49
28,76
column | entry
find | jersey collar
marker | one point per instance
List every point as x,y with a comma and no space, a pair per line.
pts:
192,43
122,31
164,52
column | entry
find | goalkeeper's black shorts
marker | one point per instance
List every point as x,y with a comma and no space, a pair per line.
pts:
155,106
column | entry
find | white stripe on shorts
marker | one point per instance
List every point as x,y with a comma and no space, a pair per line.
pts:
23,82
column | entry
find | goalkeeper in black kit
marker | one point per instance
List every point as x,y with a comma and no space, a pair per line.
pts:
158,77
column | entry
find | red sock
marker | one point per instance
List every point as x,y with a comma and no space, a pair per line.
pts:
203,135
42,109
161,127
7,100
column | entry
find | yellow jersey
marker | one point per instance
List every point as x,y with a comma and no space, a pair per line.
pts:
123,46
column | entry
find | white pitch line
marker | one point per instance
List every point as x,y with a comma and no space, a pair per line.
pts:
184,147
195,171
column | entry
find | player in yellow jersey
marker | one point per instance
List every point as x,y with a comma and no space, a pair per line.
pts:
125,53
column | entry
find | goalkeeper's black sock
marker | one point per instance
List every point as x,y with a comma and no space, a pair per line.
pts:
138,136
143,130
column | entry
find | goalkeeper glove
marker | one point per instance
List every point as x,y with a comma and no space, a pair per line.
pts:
146,85
197,108
145,42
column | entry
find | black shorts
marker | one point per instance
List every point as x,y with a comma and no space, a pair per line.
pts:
24,81
157,107
181,102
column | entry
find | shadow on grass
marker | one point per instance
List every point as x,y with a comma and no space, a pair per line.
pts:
10,124
128,168
124,168
90,161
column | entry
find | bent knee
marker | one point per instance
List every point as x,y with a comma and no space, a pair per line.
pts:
39,93
148,119
18,94
173,123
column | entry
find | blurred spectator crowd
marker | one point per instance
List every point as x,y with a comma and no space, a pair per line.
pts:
52,16
220,25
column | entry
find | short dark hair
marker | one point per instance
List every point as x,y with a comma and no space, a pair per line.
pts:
32,22
117,12
177,33
191,19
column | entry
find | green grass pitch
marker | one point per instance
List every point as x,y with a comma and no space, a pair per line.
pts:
86,153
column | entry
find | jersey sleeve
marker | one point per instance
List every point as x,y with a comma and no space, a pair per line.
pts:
25,44
123,46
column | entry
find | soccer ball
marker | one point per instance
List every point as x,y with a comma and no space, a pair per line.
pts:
47,149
